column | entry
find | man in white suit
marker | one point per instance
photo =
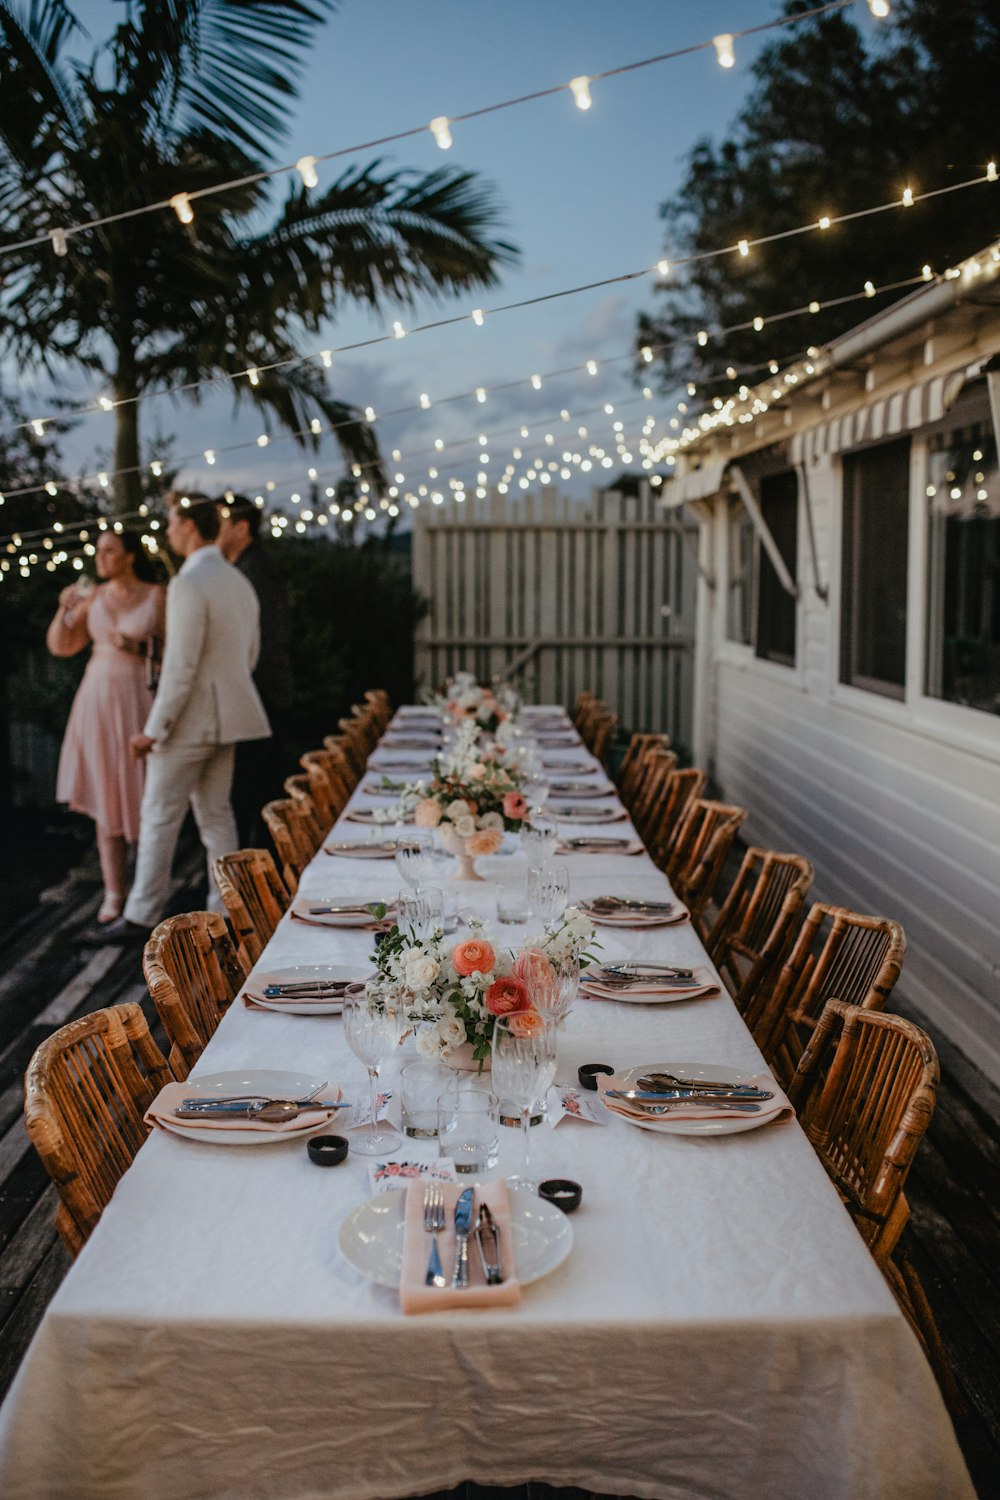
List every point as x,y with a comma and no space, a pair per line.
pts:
204,704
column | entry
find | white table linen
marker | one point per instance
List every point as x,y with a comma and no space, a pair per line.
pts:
719,1329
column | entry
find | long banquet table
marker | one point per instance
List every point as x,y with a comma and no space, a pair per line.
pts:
718,1329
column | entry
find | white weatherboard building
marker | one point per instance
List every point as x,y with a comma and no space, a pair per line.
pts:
847,648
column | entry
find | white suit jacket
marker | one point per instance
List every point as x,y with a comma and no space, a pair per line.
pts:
206,694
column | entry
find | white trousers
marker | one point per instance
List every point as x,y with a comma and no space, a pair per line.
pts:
179,776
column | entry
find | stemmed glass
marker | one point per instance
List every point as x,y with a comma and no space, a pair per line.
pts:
548,891
536,791
373,1032
552,993
416,857
539,839
421,911
524,1067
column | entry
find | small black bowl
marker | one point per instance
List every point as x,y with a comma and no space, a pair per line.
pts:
588,1074
563,1193
328,1150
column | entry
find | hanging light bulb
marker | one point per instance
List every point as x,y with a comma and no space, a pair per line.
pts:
263,440
156,468
370,414
306,168
398,331
315,426
210,455
647,354
326,357
824,221
663,266
480,393
907,197
254,377
723,44
439,130
102,480
814,307
879,9
743,246
869,288
58,238
181,205
105,403
591,366
478,317
991,171
51,488
927,273
38,426
581,91
425,400
536,381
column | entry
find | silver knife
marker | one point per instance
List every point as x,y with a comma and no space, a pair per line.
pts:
463,1228
243,1106
487,1238
657,1096
663,1106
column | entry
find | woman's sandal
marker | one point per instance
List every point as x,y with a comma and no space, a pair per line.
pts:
111,908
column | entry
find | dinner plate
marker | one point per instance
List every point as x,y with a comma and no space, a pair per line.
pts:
367,815
273,1082
677,914
570,767
256,985
579,789
573,814
371,1238
355,849
696,990
301,907
664,1125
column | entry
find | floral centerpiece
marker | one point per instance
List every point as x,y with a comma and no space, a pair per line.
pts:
487,707
455,991
474,797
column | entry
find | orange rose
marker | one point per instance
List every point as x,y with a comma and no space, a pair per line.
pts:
473,956
505,997
526,1023
486,841
533,967
427,814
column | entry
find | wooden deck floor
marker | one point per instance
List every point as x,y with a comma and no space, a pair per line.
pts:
46,979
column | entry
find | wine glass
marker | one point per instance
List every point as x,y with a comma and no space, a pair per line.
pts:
524,1067
548,891
539,839
415,856
536,791
373,1031
552,993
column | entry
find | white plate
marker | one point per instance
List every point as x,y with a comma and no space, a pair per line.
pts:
274,1082
339,918
634,920
371,1238
570,767
367,815
575,789
256,984
585,814
359,850
662,1124
703,991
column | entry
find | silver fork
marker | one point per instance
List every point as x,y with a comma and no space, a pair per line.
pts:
434,1223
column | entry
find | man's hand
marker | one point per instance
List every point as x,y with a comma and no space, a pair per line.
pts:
141,744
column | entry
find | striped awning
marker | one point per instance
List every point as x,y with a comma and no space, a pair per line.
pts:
886,418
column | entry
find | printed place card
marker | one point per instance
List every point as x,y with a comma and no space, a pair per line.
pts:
389,1176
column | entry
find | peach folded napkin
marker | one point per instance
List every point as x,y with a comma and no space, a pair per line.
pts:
651,989
671,918
415,1296
777,1108
171,1095
256,1002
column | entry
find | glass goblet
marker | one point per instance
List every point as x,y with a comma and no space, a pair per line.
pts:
539,839
548,891
552,992
373,1032
415,856
524,1067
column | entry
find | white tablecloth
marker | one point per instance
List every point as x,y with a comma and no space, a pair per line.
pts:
719,1329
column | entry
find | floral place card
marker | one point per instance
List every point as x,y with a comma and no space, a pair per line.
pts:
389,1176
564,1102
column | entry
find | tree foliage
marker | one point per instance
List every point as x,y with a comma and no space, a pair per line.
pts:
838,119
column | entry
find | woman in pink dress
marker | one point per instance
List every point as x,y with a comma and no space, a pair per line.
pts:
98,774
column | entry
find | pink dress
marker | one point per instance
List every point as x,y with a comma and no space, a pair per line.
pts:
98,774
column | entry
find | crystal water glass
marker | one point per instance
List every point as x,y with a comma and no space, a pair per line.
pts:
524,1068
416,857
373,1031
552,993
539,839
548,891
420,912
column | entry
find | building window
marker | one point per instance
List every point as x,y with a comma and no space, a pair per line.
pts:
963,593
873,598
779,506
741,542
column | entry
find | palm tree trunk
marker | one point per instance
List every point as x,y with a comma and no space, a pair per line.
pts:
128,485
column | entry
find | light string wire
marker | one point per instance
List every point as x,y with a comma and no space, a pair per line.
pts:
416,130
103,477
662,267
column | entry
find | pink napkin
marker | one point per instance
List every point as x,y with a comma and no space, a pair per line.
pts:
170,1096
777,1108
255,1002
702,984
414,1294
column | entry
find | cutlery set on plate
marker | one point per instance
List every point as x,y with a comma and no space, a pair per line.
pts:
483,1230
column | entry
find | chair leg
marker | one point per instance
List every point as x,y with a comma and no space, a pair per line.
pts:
908,1290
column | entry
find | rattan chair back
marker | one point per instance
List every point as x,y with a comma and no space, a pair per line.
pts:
292,838
665,821
638,751
255,899
193,974
699,852
85,1092
756,922
299,789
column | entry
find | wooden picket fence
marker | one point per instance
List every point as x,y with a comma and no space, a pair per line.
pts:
560,595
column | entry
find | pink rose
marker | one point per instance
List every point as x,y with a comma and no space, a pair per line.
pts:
473,956
532,966
427,814
486,841
505,997
514,806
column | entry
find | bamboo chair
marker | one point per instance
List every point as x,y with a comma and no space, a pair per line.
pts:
865,1089
649,790
838,954
193,974
354,745
365,727
755,924
332,764
380,705
679,790
699,852
639,749
85,1092
291,837
255,899
348,774
299,789
604,726
582,708
325,786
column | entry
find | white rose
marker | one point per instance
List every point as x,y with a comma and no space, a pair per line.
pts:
421,970
451,1031
465,826
491,820
428,1042
457,809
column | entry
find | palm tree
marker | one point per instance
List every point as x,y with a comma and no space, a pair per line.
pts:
187,94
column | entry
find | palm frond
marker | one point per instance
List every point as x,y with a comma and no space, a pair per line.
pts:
38,100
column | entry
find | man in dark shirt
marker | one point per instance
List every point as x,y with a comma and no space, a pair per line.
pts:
260,765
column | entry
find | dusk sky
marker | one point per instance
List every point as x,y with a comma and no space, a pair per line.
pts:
581,192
